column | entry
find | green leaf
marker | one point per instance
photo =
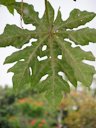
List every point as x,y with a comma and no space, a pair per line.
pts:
74,57
22,75
77,18
83,36
67,69
29,15
43,75
49,13
54,88
28,55
9,4
15,36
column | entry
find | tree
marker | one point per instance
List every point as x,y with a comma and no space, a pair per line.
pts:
52,34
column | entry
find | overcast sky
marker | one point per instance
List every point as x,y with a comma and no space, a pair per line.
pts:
65,6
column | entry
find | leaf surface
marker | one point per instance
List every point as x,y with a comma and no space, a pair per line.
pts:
83,36
77,18
29,15
9,4
15,36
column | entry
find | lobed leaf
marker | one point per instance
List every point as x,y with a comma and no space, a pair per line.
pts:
74,57
15,36
51,33
83,36
77,18
22,75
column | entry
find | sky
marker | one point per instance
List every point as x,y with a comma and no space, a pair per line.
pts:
65,6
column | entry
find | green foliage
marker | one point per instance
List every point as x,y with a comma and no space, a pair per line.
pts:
30,111
9,4
85,116
52,33
30,107
15,36
22,111
7,98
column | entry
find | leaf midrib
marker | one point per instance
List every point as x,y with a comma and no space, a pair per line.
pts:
50,41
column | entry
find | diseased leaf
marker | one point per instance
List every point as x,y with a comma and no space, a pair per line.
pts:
43,75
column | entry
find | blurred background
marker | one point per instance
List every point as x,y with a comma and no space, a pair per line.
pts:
29,110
